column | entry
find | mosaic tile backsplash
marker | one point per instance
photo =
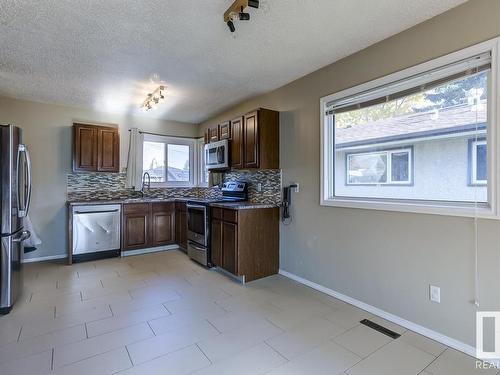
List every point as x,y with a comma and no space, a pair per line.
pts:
102,186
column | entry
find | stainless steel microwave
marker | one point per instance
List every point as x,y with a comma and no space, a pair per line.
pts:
217,155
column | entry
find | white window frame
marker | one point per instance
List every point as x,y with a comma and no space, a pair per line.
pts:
473,166
193,158
202,181
327,155
388,154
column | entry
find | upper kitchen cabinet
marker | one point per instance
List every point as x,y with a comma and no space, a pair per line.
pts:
225,130
95,148
255,140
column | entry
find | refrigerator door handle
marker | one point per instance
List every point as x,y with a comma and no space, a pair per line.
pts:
27,194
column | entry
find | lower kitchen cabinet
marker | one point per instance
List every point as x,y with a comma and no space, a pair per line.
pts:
163,224
246,242
181,225
148,225
136,222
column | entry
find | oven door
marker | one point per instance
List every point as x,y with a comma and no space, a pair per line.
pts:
197,224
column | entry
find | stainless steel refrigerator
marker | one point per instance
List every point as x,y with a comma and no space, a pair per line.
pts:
15,168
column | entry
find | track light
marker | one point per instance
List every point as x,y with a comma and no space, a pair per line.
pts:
153,99
237,12
253,3
243,16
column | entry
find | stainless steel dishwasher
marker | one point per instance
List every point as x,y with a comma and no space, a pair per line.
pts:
96,231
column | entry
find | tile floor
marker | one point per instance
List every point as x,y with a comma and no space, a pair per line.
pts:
162,314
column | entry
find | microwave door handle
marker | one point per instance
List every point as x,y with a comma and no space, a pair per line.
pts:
220,155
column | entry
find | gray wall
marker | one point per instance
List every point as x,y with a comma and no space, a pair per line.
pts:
386,259
48,134
440,172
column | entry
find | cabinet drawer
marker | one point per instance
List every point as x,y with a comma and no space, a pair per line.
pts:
163,207
230,216
217,213
135,208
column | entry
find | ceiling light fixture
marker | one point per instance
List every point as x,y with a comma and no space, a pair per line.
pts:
236,12
153,99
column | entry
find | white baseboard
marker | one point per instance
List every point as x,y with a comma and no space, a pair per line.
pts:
149,250
436,336
43,259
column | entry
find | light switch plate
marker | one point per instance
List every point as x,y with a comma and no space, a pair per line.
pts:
435,293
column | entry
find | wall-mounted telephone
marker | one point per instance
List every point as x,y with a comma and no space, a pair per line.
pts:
287,202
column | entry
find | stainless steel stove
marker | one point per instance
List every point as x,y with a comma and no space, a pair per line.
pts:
199,220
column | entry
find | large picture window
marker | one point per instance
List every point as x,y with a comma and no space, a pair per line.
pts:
170,161
418,140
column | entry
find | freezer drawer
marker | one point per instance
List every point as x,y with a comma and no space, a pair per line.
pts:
96,228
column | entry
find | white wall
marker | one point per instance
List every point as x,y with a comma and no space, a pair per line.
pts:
385,259
48,134
440,172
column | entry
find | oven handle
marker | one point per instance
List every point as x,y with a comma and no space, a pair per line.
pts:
196,247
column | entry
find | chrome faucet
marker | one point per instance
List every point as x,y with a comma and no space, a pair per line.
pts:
144,183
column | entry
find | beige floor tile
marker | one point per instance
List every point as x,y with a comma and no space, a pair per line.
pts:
171,341
396,358
423,343
326,359
149,295
235,341
36,364
346,316
87,348
199,315
102,364
183,361
36,328
185,318
452,362
304,337
235,321
257,360
41,343
113,323
362,340
9,333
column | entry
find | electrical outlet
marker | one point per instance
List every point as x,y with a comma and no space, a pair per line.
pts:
297,188
259,187
435,293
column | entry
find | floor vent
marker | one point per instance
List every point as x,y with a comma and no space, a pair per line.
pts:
378,327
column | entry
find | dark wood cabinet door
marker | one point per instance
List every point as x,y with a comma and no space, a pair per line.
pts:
237,143
84,148
108,150
216,247
163,224
135,231
229,247
178,227
214,134
251,140
207,136
225,130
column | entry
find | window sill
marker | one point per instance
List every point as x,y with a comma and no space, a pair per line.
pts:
482,211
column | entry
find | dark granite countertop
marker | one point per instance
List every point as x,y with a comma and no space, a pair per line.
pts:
242,205
123,201
231,205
